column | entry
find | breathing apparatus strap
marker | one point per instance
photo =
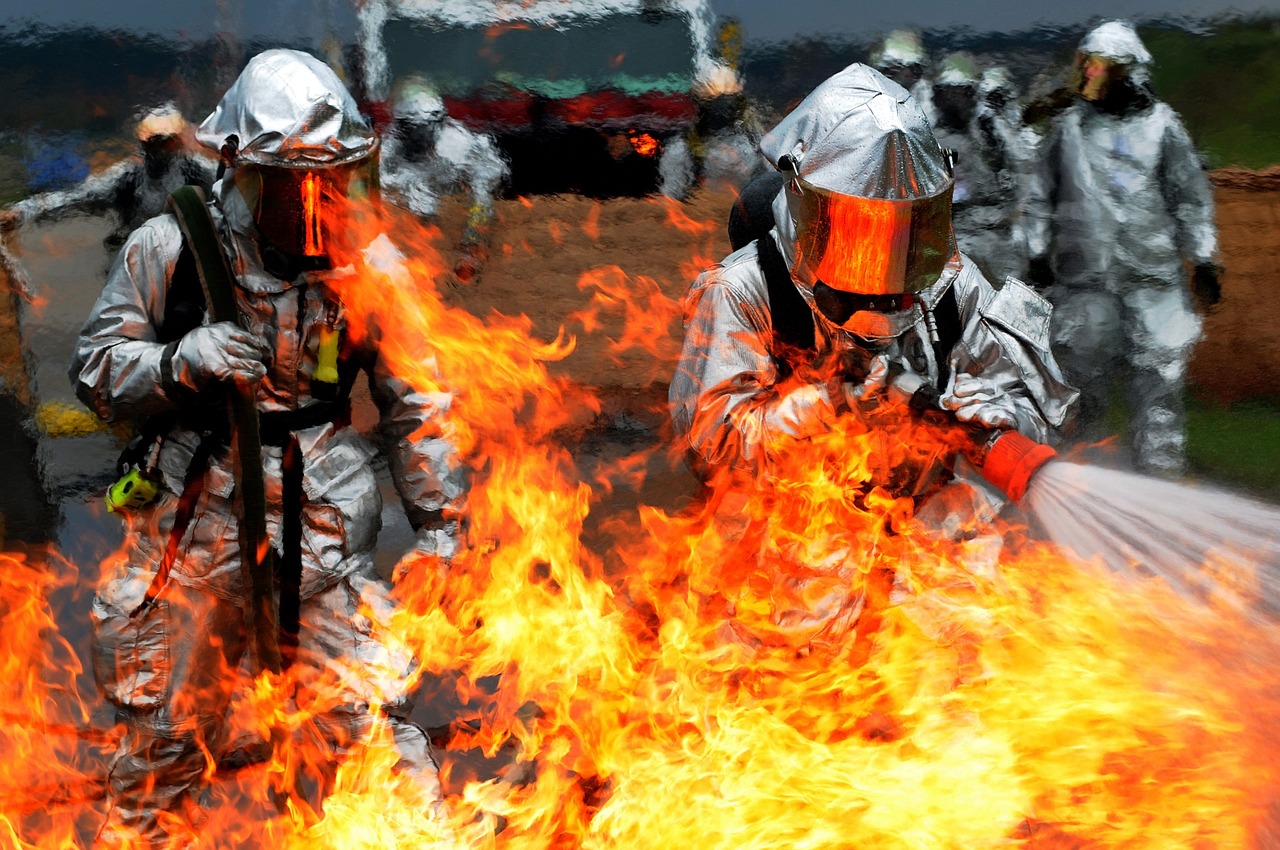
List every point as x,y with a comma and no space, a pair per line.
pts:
188,204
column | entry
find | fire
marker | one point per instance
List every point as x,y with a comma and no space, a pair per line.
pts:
644,143
796,660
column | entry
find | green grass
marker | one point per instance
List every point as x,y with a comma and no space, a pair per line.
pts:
1237,444
1226,86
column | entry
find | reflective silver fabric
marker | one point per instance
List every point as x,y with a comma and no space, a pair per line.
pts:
1117,198
861,134
287,107
1119,203
991,174
117,373
153,666
458,160
133,190
723,397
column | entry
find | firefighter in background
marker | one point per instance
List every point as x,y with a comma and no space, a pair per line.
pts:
134,189
728,129
166,647
1119,201
900,56
427,155
856,148
990,170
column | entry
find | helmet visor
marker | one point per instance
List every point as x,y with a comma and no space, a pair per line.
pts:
300,211
872,246
1094,75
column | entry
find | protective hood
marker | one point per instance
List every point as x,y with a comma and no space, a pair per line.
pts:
1117,41
288,108
870,198
858,133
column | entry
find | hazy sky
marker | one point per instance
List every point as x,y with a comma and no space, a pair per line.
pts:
762,19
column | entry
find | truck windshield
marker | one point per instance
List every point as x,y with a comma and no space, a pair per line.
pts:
634,54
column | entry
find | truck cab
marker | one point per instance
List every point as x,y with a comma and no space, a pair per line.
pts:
593,97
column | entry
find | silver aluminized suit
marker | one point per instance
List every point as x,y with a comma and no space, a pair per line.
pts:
457,158
1118,202
863,136
992,161
133,189
723,398
171,669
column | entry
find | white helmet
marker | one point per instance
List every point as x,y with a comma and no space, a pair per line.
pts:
1117,41
958,69
160,122
899,48
418,101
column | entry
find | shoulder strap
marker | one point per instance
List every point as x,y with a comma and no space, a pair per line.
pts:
184,298
201,237
946,318
792,319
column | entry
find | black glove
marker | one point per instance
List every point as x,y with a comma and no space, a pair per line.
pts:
1040,273
1205,285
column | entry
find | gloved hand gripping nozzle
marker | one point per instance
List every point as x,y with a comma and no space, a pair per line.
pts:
1004,457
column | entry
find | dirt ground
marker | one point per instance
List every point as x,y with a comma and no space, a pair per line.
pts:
542,247
1239,356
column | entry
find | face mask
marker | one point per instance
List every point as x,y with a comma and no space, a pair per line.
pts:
875,319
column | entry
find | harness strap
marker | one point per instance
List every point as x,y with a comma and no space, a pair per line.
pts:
276,428
793,331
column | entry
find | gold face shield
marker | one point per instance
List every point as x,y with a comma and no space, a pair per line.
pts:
870,246
301,210
1094,75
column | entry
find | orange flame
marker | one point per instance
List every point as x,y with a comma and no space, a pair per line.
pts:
644,144
793,661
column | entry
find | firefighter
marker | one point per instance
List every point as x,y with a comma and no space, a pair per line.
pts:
858,149
134,189
169,620
990,167
428,155
900,56
1119,201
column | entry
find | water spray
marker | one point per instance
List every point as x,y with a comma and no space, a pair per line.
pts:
1208,544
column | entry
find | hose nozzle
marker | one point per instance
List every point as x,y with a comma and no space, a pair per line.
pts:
1009,461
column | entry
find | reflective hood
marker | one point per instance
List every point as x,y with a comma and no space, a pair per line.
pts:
858,133
289,108
870,198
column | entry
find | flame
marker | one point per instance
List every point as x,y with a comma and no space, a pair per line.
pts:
312,200
644,143
794,660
